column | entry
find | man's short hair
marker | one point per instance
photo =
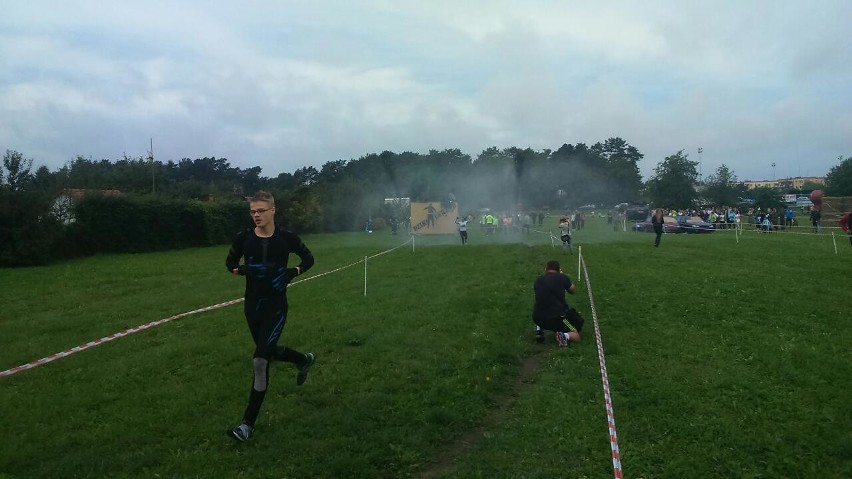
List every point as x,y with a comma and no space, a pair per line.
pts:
553,265
263,196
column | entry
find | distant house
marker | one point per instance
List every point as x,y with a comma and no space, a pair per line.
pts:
63,205
797,182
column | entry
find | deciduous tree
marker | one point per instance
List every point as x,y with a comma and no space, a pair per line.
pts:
620,165
766,197
721,187
839,178
673,183
17,170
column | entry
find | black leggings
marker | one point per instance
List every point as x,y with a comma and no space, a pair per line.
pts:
570,321
266,319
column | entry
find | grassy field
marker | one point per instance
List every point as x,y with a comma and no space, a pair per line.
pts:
727,357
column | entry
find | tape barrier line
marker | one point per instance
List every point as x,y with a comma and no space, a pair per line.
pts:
775,229
757,227
824,230
106,339
129,331
610,416
351,264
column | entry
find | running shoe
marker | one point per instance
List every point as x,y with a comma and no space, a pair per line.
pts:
303,371
241,433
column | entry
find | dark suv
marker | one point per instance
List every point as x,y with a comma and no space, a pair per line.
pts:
637,212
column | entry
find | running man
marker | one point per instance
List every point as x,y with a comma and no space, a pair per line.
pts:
462,229
816,217
657,221
551,312
565,233
266,250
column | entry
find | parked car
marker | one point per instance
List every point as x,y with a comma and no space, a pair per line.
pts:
803,202
679,224
745,203
637,212
693,224
669,225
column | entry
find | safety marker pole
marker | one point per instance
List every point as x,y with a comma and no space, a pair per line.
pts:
579,261
737,235
835,242
610,416
365,276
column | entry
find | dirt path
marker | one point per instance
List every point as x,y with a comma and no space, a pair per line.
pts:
447,456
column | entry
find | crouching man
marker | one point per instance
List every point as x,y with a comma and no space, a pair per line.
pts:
551,312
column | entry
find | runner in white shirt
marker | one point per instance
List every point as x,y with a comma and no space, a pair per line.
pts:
462,229
565,233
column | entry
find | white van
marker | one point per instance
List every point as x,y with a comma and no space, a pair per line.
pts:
803,202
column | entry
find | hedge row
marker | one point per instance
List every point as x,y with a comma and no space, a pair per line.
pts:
30,235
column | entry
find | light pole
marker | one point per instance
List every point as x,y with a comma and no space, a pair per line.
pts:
700,150
773,171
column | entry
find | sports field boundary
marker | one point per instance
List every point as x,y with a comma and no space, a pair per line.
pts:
152,324
610,415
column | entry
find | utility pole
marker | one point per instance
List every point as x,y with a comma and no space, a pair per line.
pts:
151,160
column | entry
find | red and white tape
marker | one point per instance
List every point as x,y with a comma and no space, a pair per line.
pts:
106,339
127,332
610,417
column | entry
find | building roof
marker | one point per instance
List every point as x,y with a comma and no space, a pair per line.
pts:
77,193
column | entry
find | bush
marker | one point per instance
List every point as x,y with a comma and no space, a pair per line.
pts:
222,220
29,233
130,224
111,224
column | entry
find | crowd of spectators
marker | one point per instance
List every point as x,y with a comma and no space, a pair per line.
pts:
764,220
490,223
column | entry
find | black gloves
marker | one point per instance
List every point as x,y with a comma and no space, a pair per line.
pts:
278,276
253,270
281,277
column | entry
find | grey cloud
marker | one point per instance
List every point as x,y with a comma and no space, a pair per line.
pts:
285,85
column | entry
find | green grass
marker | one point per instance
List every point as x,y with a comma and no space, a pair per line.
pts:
725,359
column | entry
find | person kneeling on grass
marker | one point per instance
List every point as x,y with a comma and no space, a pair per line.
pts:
551,312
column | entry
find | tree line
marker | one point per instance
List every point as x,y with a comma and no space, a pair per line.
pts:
202,201
676,184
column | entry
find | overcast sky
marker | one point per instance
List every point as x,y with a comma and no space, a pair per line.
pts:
287,84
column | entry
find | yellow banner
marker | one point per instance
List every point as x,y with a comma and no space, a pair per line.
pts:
434,217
